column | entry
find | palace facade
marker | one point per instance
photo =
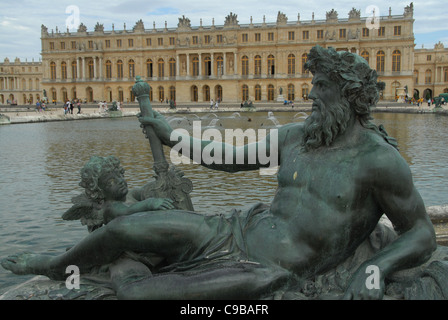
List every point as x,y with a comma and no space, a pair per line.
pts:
233,62
20,82
430,71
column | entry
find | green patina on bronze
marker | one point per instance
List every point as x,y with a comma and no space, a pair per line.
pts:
345,202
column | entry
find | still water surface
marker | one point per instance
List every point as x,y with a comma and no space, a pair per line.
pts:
40,163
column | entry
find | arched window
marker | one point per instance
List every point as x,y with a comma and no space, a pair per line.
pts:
245,93
173,93
194,94
120,70
172,64
291,94
161,94
428,76
257,65
206,93
109,94
74,70
365,55
380,58
304,60
219,93
291,64
149,73
108,69
52,70
271,92
394,86
91,69
63,70
305,91
120,95
161,65
257,92
131,69
208,66
396,61
89,94
64,94
195,66
245,66
53,95
220,65
271,65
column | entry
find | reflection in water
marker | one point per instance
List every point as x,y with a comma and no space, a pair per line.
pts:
40,165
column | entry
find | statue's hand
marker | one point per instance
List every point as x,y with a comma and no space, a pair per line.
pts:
159,204
159,124
364,286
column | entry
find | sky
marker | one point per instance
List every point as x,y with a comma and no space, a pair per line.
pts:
21,20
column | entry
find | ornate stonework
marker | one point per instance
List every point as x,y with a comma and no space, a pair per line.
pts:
205,62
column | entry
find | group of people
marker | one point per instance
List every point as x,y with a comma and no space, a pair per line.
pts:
102,106
70,105
214,104
420,101
247,104
40,106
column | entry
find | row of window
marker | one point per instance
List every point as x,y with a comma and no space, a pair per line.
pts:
381,58
208,39
162,95
291,66
20,84
16,70
429,77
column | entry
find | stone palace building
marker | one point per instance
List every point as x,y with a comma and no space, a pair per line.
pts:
233,62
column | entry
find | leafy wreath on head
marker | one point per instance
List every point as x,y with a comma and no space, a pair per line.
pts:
358,82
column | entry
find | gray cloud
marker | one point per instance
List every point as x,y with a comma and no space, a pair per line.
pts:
20,20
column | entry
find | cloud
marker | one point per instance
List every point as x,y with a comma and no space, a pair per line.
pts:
12,24
24,17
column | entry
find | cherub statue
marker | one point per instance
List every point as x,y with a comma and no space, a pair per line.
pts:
106,193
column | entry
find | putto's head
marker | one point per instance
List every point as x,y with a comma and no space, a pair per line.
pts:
95,171
357,81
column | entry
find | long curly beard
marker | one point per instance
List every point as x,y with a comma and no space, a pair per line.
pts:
325,123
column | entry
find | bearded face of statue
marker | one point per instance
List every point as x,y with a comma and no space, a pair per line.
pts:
330,113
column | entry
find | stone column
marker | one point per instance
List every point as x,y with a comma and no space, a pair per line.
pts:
224,61
83,68
200,65
388,62
177,66
101,68
235,63
94,68
77,68
188,64
212,57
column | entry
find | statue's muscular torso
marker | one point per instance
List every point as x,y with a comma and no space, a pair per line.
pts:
324,206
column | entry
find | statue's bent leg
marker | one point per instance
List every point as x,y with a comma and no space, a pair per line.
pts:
240,281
